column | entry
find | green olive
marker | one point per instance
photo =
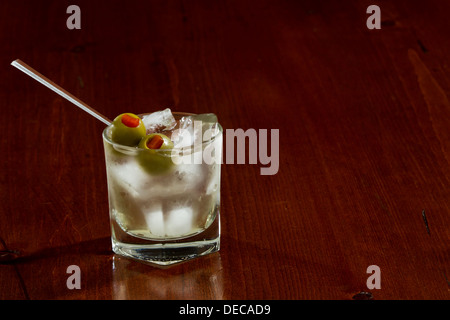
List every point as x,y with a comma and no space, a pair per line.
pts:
151,158
128,129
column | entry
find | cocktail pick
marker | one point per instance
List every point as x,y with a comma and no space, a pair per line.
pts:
22,66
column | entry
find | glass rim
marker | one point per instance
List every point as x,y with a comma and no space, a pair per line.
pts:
163,151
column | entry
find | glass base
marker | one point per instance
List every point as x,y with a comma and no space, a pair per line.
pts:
166,253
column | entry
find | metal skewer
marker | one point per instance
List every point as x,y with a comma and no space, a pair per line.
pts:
22,66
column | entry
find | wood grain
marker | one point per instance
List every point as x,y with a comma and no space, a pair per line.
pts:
364,145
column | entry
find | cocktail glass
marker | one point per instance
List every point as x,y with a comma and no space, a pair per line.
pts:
164,205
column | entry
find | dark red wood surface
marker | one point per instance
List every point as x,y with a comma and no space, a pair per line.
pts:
364,127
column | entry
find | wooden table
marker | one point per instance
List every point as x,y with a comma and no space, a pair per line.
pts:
361,197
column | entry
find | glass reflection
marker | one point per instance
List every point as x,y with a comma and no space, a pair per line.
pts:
201,278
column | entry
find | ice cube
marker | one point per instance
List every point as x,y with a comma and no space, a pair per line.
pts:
196,128
128,176
205,117
159,121
186,178
179,221
208,125
183,135
214,178
154,218
132,179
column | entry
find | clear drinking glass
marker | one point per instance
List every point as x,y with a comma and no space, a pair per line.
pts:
165,204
